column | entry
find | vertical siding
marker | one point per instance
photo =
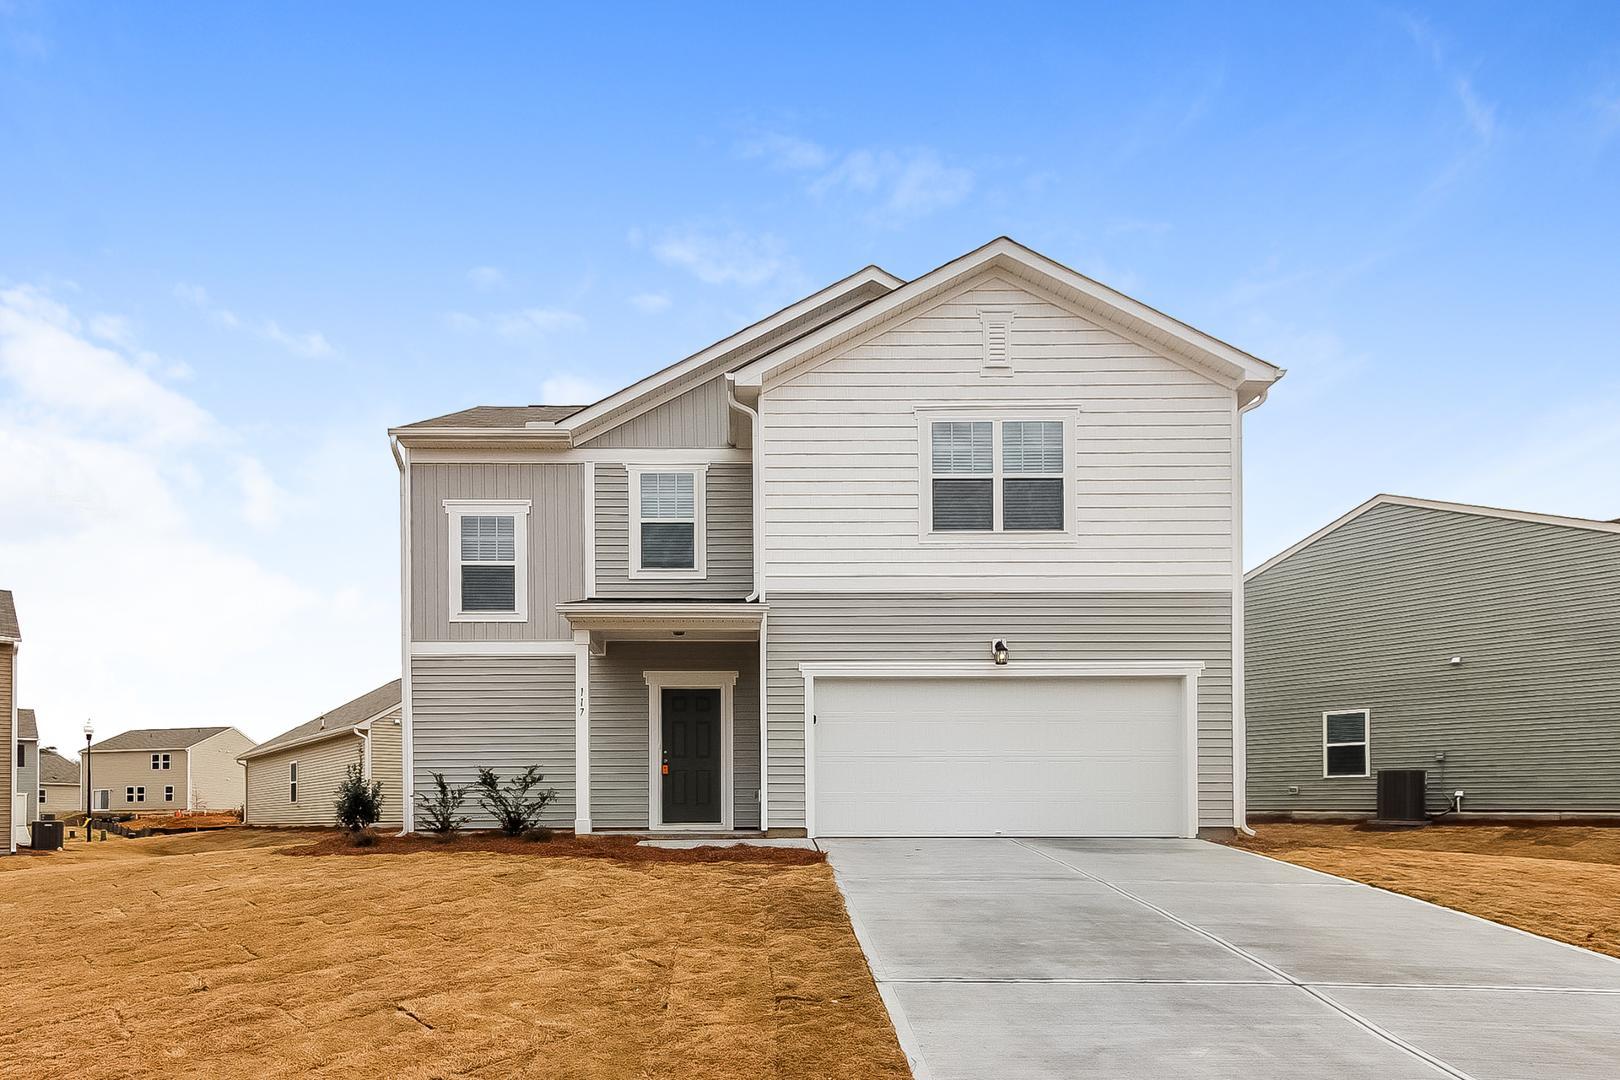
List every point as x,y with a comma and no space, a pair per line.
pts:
321,769
1368,616
700,417
556,556
218,781
1151,456
1096,626
620,733
504,713
729,536
387,766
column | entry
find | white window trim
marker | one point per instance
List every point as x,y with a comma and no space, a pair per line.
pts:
1365,742
292,783
518,510
168,793
160,762
997,536
105,800
700,556
657,681
134,794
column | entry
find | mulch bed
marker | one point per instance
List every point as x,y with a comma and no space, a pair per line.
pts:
561,845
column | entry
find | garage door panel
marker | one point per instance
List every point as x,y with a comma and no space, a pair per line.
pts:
971,756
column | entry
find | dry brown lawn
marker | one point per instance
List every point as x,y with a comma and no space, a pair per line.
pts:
224,954
1561,881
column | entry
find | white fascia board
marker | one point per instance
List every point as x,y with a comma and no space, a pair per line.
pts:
981,669
1589,524
1214,357
319,736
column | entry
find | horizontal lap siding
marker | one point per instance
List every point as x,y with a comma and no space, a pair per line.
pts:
556,556
321,769
1095,626
386,766
62,800
499,712
8,703
1368,617
620,734
1151,458
729,537
117,769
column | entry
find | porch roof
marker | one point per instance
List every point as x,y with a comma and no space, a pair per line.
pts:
658,619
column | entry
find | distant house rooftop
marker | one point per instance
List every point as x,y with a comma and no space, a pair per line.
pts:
158,738
27,726
9,630
56,769
342,718
496,417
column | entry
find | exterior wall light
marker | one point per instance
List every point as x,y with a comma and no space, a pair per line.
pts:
998,651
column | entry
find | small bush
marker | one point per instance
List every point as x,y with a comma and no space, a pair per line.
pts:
515,805
441,810
359,804
365,838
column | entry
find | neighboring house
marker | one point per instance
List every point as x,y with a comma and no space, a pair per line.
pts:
761,588
162,770
1482,645
293,778
59,791
13,811
28,763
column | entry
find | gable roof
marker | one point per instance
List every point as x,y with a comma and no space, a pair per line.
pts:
341,720
9,630
1591,524
177,738
1214,358
56,769
27,728
495,417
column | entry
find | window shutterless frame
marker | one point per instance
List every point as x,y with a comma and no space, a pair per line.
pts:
998,417
1329,742
639,517
292,782
518,510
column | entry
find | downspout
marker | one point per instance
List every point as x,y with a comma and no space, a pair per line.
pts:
759,485
402,458
758,471
1240,723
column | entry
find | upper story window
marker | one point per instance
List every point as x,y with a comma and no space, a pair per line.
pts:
1344,743
997,475
667,522
160,761
488,560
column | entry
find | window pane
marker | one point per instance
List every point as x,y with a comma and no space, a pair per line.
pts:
1346,760
668,496
963,504
1346,727
488,588
962,447
668,546
1032,446
488,537
1031,504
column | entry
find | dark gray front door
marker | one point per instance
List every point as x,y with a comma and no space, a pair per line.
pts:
691,762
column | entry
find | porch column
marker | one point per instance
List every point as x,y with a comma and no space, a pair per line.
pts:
582,732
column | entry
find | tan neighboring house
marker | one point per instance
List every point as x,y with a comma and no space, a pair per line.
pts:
10,639
162,770
59,793
293,778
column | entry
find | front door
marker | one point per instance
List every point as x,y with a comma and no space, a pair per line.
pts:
690,768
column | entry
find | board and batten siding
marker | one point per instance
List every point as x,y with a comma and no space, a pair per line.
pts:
1092,626
1369,615
699,417
321,768
387,766
621,732
729,537
556,549
500,712
1151,458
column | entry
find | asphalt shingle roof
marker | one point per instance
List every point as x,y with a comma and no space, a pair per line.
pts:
350,713
56,769
27,727
8,617
495,417
158,738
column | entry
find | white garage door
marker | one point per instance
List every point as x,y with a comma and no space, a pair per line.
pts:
967,756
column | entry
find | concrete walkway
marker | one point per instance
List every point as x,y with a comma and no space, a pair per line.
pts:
1027,959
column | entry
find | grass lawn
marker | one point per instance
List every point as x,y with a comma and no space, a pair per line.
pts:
233,954
1560,881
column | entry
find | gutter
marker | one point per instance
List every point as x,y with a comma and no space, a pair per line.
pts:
407,814
758,477
1240,720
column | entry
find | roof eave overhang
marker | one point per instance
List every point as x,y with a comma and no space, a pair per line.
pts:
545,438
319,736
590,615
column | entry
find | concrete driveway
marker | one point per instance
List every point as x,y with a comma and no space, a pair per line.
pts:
1025,959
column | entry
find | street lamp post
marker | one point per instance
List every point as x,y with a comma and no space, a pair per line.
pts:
89,791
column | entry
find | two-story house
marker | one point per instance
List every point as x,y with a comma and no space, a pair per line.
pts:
165,770
13,809
953,556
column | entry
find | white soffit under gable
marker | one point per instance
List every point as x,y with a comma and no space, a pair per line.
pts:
635,399
1209,356
1589,524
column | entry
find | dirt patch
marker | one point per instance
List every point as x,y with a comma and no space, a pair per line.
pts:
1560,881
167,823
561,845
226,957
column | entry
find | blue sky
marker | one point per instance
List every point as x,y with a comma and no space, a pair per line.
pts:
239,241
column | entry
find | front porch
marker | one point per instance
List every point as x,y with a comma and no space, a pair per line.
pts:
667,735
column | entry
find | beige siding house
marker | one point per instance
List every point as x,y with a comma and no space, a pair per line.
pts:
293,778
950,556
164,770
1478,644
59,791
13,817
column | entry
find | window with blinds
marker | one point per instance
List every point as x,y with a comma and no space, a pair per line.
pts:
975,488
1032,475
964,476
488,562
668,518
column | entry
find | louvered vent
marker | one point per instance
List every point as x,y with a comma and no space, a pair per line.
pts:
997,326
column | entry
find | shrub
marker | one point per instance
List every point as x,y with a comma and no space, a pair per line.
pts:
364,838
515,805
359,804
441,810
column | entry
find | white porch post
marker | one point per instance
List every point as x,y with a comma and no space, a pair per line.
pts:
582,732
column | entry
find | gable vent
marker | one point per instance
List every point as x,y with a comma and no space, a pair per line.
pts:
997,324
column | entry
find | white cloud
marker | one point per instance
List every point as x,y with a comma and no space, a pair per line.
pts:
523,322
311,344
1478,114
899,184
650,303
486,278
787,152
729,258
262,497
569,389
